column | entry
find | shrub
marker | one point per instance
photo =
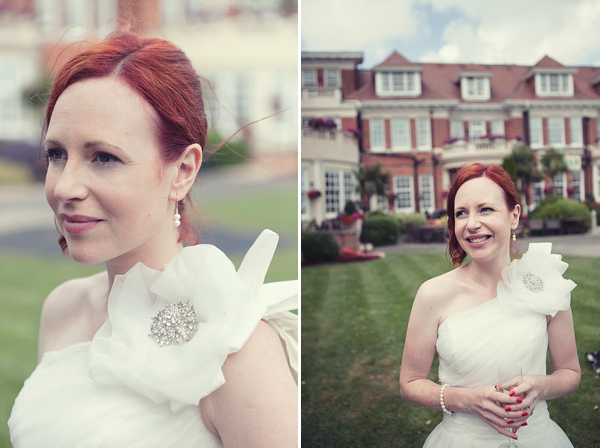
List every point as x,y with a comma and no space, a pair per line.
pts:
14,172
376,213
319,247
559,208
417,219
381,230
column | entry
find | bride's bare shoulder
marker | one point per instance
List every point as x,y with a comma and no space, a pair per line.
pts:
64,306
440,288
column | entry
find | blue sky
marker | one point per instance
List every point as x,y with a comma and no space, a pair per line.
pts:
478,31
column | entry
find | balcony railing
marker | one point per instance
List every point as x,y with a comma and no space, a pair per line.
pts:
322,93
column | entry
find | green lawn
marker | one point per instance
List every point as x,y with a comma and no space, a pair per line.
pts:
354,319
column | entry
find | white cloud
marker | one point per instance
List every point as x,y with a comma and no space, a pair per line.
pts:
352,25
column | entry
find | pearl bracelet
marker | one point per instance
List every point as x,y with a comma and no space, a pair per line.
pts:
446,411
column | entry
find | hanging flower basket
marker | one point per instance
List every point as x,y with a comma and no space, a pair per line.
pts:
313,194
354,131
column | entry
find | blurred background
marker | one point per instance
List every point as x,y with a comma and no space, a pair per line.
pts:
246,49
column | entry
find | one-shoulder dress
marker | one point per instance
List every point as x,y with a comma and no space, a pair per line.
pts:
509,329
139,381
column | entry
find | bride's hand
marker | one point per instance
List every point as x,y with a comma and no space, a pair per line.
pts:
529,390
484,404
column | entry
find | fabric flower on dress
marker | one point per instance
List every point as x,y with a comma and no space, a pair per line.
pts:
534,283
228,307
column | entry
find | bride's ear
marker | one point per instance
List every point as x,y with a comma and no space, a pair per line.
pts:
187,167
515,215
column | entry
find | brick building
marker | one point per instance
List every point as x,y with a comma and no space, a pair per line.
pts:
423,121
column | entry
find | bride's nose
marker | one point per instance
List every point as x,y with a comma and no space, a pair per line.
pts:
70,184
473,222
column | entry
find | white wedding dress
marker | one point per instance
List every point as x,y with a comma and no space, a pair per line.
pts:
123,389
510,329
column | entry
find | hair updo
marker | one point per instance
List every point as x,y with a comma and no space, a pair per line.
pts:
493,172
163,75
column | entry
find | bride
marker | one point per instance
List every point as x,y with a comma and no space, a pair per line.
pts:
486,313
170,346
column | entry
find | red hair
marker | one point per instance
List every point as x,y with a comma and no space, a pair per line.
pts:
162,74
493,172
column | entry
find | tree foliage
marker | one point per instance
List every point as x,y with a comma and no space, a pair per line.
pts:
371,180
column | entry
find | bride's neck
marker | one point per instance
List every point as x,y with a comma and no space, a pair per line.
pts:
488,273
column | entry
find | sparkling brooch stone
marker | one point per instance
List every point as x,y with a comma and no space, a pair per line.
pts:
533,283
174,324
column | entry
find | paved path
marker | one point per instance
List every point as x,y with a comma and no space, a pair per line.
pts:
27,222
586,245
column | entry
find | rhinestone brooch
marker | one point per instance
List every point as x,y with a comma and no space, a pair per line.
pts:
175,324
533,283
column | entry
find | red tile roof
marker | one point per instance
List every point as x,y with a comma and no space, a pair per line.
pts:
395,60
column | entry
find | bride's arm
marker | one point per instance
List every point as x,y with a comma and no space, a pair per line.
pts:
258,404
566,372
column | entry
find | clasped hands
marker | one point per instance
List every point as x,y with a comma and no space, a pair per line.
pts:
503,411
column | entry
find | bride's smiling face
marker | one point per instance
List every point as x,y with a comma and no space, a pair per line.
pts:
106,182
483,222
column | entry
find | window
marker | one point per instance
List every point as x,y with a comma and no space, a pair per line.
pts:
426,191
576,134
404,193
332,193
303,193
340,187
376,128
332,78
535,131
457,129
398,83
597,193
556,131
423,133
558,185
309,77
475,87
554,84
497,127
538,192
578,186
476,129
401,134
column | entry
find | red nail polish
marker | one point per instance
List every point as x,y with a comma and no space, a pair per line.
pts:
525,413
524,424
512,392
507,408
519,400
510,421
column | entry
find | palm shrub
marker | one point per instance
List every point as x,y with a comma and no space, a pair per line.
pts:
381,230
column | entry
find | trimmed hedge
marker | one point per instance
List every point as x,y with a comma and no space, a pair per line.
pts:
417,219
560,208
381,230
319,247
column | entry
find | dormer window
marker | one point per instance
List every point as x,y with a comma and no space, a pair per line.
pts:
398,83
475,86
554,84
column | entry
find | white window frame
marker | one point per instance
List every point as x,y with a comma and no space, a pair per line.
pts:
309,77
476,125
343,194
398,83
580,195
401,138
381,127
536,132
457,129
554,84
304,203
540,186
332,74
597,182
426,180
556,127
576,129
475,87
423,131
561,180
404,189
497,127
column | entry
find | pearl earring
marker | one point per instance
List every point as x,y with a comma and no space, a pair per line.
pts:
176,216
514,236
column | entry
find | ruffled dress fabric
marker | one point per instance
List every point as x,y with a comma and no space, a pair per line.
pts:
510,329
123,389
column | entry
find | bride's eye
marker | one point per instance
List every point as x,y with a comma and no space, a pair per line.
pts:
105,158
